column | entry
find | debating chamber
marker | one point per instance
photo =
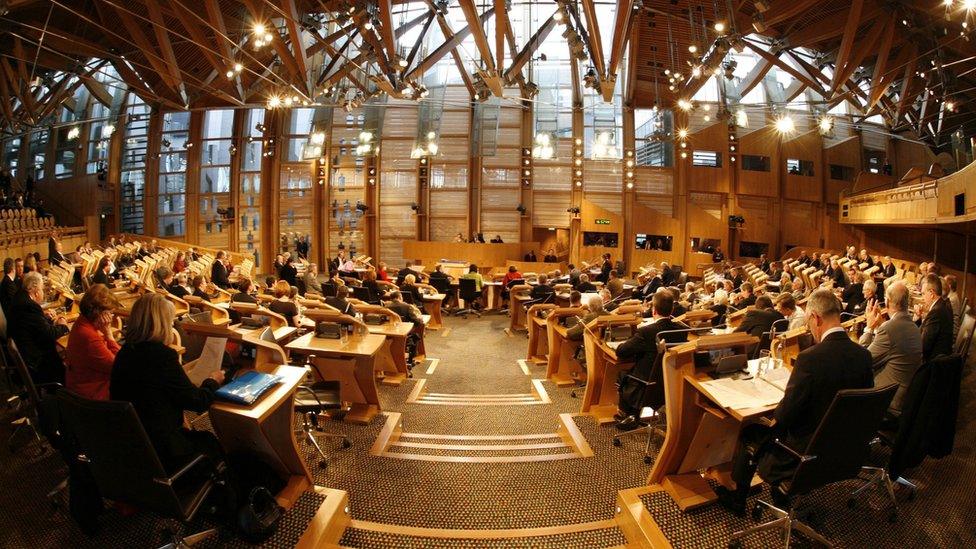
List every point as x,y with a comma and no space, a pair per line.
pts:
487,273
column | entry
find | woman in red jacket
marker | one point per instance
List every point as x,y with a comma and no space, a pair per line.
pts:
92,346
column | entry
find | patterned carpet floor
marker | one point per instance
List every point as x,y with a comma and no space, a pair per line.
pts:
477,357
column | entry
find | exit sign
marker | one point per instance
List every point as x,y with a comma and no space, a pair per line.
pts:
602,221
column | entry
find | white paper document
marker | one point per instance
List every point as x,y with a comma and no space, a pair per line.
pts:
738,394
778,377
210,360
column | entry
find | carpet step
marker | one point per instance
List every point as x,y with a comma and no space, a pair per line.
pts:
368,535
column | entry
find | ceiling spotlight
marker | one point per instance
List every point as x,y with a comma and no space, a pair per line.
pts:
684,104
403,63
719,27
729,68
260,127
274,102
826,124
785,124
230,74
692,48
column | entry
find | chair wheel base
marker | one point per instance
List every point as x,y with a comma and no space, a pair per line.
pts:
346,443
573,394
323,464
616,441
647,460
735,544
756,512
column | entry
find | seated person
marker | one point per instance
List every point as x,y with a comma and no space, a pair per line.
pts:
786,306
57,254
512,274
760,318
168,280
679,309
542,291
652,282
833,364
585,286
935,317
406,311
409,286
745,298
36,331
341,302
615,284
594,306
219,273
284,305
288,272
200,288
381,273
853,294
473,274
550,256
643,350
575,298
574,275
92,346
404,272
312,285
439,274
895,344
147,373
103,272
869,293
720,306
371,284
244,295
497,239
530,257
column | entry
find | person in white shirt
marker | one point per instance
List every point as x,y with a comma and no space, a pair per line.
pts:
786,306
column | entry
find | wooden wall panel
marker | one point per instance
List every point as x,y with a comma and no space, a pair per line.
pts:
765,142
845,153
760,225
590,212
807,147
653,222
801,224
713,138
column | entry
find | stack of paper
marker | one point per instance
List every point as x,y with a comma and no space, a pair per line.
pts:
739,394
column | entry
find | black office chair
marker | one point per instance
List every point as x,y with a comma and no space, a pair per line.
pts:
443,286
836,452
30,403
114,446
311,399
468,291
302,287
328,289
899,433
363,294
766,338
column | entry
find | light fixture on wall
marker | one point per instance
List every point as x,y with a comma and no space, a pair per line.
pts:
575,210
544,146
785,124
521,210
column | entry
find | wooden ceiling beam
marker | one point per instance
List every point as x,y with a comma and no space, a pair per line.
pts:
415,49
145,47
828,28
474,23
296,38
755,76
337,56
447,47
621,34
781,11
782,65
908,77
165,46
879,80
530,48
593,37
23,84
846,44
501,27
385,10
458,62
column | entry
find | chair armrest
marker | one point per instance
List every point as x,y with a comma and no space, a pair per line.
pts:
793,452
309,390
644,382
183,470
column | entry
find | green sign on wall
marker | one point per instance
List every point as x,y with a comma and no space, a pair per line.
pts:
602,221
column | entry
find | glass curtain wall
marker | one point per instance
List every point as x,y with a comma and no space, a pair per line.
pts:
132,178
171,194
216,153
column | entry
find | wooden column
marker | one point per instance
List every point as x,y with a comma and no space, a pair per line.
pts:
150,207
629,194
270,168
577,182
192,233
236,141
526,196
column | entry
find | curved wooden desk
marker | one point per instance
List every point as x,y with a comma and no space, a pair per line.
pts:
432,305
602,368
516,310
351,363
538,337
561,368
701,435
266,430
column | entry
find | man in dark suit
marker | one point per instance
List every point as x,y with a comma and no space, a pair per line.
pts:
218,271
653,283
542,291
36,333
9,286
605,269
745,298
288,271
584,285
935,315
760,319
833,364
642,349
402,273
170,284
339,301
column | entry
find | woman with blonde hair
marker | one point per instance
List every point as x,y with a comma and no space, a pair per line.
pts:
283,304
92,346
148,374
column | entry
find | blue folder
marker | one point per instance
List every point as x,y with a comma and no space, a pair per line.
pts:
247,387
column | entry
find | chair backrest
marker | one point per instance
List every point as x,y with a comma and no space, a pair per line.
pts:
118,452
965,335
328,289
467,288
362,293
26,379
442,285
840,444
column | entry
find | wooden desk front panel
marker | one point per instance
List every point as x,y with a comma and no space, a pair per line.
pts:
483,255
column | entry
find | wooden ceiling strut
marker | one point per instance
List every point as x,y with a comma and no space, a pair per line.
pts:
530,47
446,47
847,42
